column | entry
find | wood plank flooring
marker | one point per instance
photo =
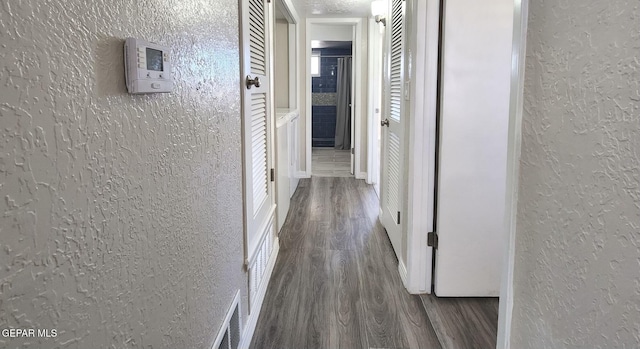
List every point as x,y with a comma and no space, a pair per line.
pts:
463,322
330,162
336,283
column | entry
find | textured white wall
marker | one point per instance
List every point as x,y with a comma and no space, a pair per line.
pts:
577,272
332,32
121,221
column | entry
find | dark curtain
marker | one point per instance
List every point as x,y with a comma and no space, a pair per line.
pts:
343,108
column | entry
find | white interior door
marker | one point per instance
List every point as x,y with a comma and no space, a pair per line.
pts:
393,128
474,121
256,123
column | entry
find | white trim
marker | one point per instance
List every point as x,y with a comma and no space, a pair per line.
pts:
421,149
402,270
370,101
250,328
361,175
303,174
227,318
358,107
290,13
520,15
292,17
374,56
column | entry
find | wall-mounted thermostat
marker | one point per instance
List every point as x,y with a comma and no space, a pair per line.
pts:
147,67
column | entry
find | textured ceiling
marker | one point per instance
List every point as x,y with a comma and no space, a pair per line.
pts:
334,8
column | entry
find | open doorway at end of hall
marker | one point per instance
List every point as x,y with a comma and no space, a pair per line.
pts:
331,87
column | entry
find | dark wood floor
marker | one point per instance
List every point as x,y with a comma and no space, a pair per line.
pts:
463,322
336,283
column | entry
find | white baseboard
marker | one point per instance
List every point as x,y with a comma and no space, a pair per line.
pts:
402,269
303,174
250,326
361,175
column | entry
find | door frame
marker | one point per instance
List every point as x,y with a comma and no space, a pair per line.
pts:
358,106
421,143
291,15
518,57
374,68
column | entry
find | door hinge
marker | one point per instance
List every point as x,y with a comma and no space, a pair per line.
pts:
268,1
273,174
353,150
398,217
432,240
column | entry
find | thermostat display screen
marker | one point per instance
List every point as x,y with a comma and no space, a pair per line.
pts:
154,59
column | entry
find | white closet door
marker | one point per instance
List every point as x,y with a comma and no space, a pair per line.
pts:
257,122
474,122
393,174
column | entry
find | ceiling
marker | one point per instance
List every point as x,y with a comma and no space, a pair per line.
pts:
334,8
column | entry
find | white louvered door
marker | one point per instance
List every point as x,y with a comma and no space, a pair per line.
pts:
392,179
256,123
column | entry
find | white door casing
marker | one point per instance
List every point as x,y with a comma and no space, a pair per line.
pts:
352,115
393,174
375,56
358,107
257,126
422,20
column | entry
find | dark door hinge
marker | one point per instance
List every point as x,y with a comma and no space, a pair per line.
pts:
398,217
353,150
273,174
432,240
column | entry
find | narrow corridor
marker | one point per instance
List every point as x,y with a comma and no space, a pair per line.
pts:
335,283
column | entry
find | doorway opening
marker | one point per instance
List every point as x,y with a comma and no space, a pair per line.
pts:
331,101
286,118
335,114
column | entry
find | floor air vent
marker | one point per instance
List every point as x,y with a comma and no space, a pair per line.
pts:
229,335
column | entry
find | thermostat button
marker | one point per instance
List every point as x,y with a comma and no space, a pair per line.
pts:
155,85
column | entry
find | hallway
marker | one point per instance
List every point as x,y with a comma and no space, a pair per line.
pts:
336,284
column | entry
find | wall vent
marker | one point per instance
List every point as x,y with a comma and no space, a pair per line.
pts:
230,334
